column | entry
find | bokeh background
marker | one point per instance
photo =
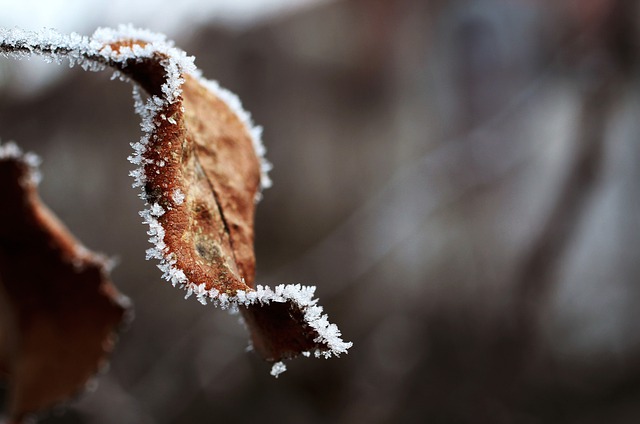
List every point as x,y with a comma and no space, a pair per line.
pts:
458,178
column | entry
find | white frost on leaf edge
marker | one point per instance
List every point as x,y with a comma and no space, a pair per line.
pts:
233,101
278,368
93,54
10,150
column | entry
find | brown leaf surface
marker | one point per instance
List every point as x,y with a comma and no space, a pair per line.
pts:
59,311
279,331
207,156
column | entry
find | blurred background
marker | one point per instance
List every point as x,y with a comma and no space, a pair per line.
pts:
458,178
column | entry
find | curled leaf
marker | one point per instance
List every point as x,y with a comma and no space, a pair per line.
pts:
201,169
202,176
201,173
59,311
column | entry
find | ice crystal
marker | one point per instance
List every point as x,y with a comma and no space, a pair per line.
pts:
11,150
177,196
278,368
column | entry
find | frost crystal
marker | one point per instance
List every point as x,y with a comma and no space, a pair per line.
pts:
177,196
278,368
11,150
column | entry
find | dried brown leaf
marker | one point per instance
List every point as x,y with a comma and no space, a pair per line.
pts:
204,157
202,174
59,309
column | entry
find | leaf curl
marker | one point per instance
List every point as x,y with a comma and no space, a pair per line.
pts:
201,169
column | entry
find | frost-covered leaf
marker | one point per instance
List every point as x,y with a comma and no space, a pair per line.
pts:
201,170
202,175
58,309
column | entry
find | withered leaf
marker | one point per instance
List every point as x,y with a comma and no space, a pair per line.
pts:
59,311
201,169
201,150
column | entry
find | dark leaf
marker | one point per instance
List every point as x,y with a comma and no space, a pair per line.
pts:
60,312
